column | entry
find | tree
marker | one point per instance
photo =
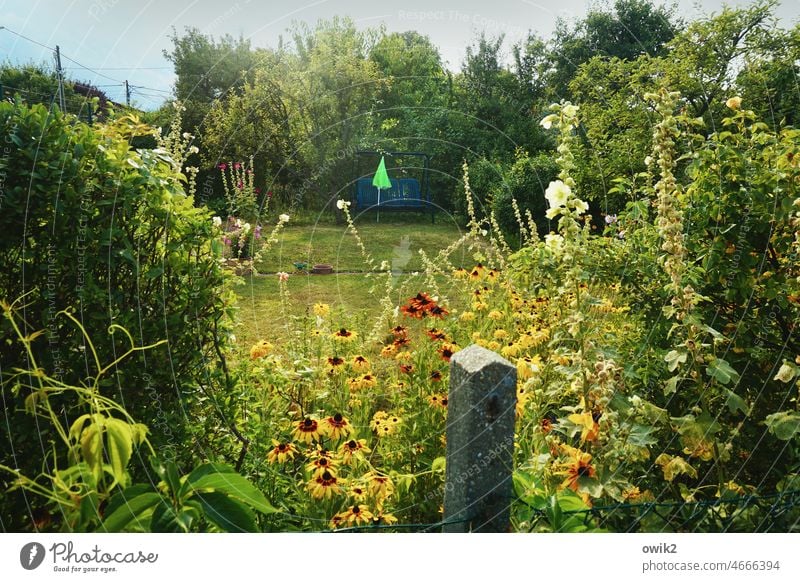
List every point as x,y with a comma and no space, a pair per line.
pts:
630,29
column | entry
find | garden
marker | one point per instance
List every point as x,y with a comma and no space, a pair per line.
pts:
203,331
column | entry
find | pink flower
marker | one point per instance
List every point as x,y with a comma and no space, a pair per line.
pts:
227,241
223,166
257,232
283,277
239,184
269,194
236,165
257,190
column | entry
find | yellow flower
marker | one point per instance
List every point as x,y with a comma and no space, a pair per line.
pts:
404,356
438,400
360,363
589,427
344,335
352,450
321,464
306,430
324,486
578,467
461,273
357,514
362,382
493,345
383,424
322,309
334,364
260,349
380,486
357,492
500,334
734,103
495,315
336,427
467,316
388,351
281,452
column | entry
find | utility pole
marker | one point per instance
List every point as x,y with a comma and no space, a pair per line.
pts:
60,75
127,94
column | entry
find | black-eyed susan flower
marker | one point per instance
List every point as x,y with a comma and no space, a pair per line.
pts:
363,382
336,427
344,335
406,368
401,342
334,364
400,331
435,376
377,419
352,450
324,486
260,349
322,461
438,312
446,351
380,486
495,315
384,519
461,273
322,309
357,515
438,400
360,363
357,493
436,334
412,311
422,301
578,467
389,351
281,452
306,430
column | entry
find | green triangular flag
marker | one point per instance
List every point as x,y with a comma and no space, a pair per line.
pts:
381,180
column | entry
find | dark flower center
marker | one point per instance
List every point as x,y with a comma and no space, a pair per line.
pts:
281,447
352,445
337,417
584,471
326,476
307,423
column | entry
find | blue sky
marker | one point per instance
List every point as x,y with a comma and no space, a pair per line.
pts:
124,39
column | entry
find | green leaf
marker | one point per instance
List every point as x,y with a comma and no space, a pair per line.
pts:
119,447
236,486
165,519
226,513
438,464
784,425
129,508
721,371
641,436
92,445
735,402
671,385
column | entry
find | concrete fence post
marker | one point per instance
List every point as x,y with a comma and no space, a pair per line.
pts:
480,441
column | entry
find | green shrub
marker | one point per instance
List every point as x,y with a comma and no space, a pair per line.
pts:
525,181
91,226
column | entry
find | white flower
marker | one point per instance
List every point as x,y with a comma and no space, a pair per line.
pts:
570,110
194,150
283,218
553,241
342,204
246,227
217,221
552,213
557,193
785,374
187,135
484,232
547,122
396,311
734,103
581,206
648,160
283,277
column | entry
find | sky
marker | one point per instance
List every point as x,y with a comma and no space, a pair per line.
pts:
118,40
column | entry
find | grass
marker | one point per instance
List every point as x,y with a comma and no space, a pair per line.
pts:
394,240
264,314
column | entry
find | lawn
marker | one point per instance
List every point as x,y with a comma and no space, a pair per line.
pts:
264,314
393,240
